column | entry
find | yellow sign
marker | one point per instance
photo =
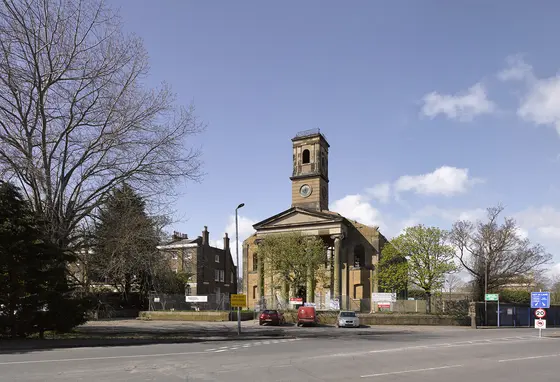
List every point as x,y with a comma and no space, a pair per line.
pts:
238,300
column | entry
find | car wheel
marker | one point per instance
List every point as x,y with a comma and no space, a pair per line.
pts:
260,323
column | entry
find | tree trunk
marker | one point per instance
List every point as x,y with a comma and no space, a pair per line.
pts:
428,302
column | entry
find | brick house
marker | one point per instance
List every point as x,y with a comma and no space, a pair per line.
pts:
212,269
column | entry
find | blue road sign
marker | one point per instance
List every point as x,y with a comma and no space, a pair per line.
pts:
540,300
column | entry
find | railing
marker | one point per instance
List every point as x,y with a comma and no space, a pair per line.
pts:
307,133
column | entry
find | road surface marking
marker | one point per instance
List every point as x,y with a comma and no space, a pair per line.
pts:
432,346
99,358
410,371
531,357
248,345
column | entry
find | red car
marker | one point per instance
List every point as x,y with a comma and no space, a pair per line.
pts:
273,317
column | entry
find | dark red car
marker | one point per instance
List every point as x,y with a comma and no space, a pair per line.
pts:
273,317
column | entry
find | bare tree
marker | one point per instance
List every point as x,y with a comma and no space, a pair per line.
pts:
453,282
496,251
76,119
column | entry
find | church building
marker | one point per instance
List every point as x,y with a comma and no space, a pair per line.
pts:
351,249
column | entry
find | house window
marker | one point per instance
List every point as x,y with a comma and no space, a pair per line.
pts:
217,258
254,292
216,275
232,276
305,157
255,262
222,276
359,256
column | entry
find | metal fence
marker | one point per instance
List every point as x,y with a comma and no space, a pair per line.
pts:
172,302
513,315
364,305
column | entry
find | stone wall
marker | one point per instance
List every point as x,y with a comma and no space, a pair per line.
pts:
214,316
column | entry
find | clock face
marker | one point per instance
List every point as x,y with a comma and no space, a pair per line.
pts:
305,190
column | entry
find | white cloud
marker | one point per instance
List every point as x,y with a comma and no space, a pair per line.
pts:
517,69
541,103
445,181
461,106
245,227
544,221
357,207
381,192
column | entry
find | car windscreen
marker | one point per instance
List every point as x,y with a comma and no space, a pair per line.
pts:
347,314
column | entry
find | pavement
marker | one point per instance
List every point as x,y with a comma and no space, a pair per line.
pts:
394,353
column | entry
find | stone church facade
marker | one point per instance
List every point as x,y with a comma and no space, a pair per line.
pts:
352,248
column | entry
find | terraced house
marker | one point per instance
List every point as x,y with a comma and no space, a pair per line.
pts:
352,248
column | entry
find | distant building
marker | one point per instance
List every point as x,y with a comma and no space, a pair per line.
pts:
352,249
212,269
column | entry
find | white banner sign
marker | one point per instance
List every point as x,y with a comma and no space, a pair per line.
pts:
196,298
384,297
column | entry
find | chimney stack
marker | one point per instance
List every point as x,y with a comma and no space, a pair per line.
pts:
226,243
205,236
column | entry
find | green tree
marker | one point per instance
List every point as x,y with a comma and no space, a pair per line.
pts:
292,259
125,246
392,270
35,294
429,257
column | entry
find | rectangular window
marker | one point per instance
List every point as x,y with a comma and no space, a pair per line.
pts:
232,275
216,275
254,292
217,258
222,276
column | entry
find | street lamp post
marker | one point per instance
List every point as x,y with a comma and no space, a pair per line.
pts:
237,264
486,290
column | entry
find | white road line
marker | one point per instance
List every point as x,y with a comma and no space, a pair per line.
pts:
527,358
410,371
432,346
221,350
98,358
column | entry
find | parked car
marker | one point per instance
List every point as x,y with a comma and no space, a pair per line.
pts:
306,315
273,317
348,319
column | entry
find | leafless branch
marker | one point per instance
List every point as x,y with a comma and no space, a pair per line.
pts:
76,118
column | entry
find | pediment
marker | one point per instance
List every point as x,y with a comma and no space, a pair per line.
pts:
297,217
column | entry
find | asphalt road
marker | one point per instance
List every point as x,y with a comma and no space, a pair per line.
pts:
315,354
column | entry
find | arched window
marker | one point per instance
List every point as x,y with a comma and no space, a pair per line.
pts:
359,256
255,262
305,157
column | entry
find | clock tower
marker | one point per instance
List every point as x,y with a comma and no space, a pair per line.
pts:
310,176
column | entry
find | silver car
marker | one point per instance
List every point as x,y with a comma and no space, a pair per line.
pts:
347,319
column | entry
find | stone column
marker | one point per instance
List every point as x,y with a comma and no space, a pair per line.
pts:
337,285
310,290
260,277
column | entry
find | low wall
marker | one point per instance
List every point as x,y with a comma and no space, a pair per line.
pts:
214,316
329,318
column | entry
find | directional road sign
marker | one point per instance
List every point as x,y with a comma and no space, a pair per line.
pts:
491,297
540,313
540,300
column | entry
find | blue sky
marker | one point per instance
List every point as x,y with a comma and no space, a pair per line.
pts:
434,110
